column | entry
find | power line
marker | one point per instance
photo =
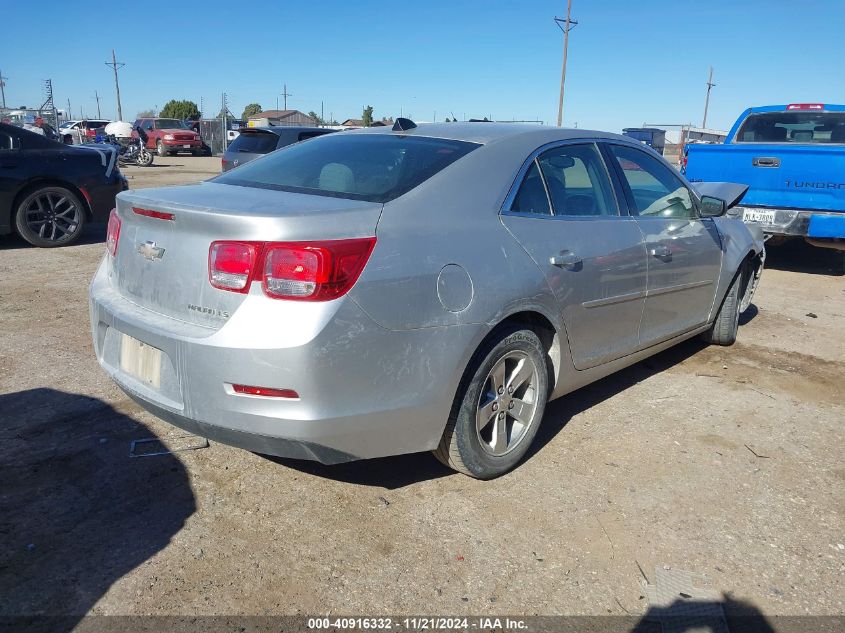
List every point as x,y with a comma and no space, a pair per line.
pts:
115,66
568,25
710,85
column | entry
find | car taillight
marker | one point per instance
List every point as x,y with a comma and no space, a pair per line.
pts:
231,264
303,271
113,233
314,271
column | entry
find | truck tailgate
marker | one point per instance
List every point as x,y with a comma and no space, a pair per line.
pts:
778,176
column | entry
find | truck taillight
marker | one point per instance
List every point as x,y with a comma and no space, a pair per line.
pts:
113,233
231,264
303,271
805,106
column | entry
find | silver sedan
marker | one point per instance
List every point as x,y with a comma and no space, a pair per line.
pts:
421,288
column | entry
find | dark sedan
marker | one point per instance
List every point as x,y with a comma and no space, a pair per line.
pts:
253,142
49,191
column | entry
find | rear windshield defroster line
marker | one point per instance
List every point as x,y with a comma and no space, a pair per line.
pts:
368,167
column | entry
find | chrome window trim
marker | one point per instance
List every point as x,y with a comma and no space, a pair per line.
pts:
533,157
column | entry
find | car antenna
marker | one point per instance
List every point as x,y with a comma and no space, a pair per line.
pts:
403,124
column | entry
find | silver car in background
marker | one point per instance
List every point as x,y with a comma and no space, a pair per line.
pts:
430,287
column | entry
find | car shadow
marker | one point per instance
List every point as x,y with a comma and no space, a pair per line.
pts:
559,412
799,257
92,233
76,512
391,473
404,470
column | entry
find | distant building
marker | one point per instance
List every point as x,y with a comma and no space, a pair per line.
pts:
280,118
353,123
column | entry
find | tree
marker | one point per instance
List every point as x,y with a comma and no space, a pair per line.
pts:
146,114
367,116
251,110
184,109
316,117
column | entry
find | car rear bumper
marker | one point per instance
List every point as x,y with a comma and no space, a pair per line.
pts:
364,391
795,222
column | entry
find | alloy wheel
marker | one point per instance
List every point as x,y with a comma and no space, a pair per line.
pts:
52,216
507,406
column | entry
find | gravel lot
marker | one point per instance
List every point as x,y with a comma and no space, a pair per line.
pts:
726,462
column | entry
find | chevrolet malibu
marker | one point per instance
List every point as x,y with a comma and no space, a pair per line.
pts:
420,288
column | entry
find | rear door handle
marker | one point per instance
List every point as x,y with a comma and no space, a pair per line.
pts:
8,165
565,259
661,252
765,161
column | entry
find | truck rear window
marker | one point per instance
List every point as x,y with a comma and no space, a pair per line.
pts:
793,127
371,167
254,142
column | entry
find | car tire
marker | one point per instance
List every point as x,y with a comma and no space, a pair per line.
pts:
160,149
50,216
726,324
67,139
483,437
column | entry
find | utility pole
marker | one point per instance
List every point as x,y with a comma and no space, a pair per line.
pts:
115,66
69,112
286,94
710,85
3,88
322,113
568,25
224,111
97,97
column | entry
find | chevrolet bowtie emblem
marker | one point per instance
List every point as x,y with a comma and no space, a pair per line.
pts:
150,251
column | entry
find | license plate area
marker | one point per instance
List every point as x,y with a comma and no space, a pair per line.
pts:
758,215
187,146
141,361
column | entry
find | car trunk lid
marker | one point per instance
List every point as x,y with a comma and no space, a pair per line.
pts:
165,235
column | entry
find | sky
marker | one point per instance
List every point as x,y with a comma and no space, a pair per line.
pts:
630,61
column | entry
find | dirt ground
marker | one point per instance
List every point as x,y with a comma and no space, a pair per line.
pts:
725,462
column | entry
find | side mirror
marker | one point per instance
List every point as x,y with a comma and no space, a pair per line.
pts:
712,207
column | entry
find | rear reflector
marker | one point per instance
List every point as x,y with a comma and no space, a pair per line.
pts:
113,233
231,264
267,392
158,215
805,106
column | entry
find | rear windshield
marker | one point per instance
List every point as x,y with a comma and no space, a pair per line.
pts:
371,167
793,127
254,142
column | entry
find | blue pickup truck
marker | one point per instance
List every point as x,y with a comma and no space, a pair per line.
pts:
792,157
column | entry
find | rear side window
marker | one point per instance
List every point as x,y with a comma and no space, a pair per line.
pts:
793,127
254,142
577,181
371,167
531,197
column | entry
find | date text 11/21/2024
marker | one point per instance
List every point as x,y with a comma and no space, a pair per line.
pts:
418,623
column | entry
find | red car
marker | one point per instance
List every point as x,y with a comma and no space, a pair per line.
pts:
170,136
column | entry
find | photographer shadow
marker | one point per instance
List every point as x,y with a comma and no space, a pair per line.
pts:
76,513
